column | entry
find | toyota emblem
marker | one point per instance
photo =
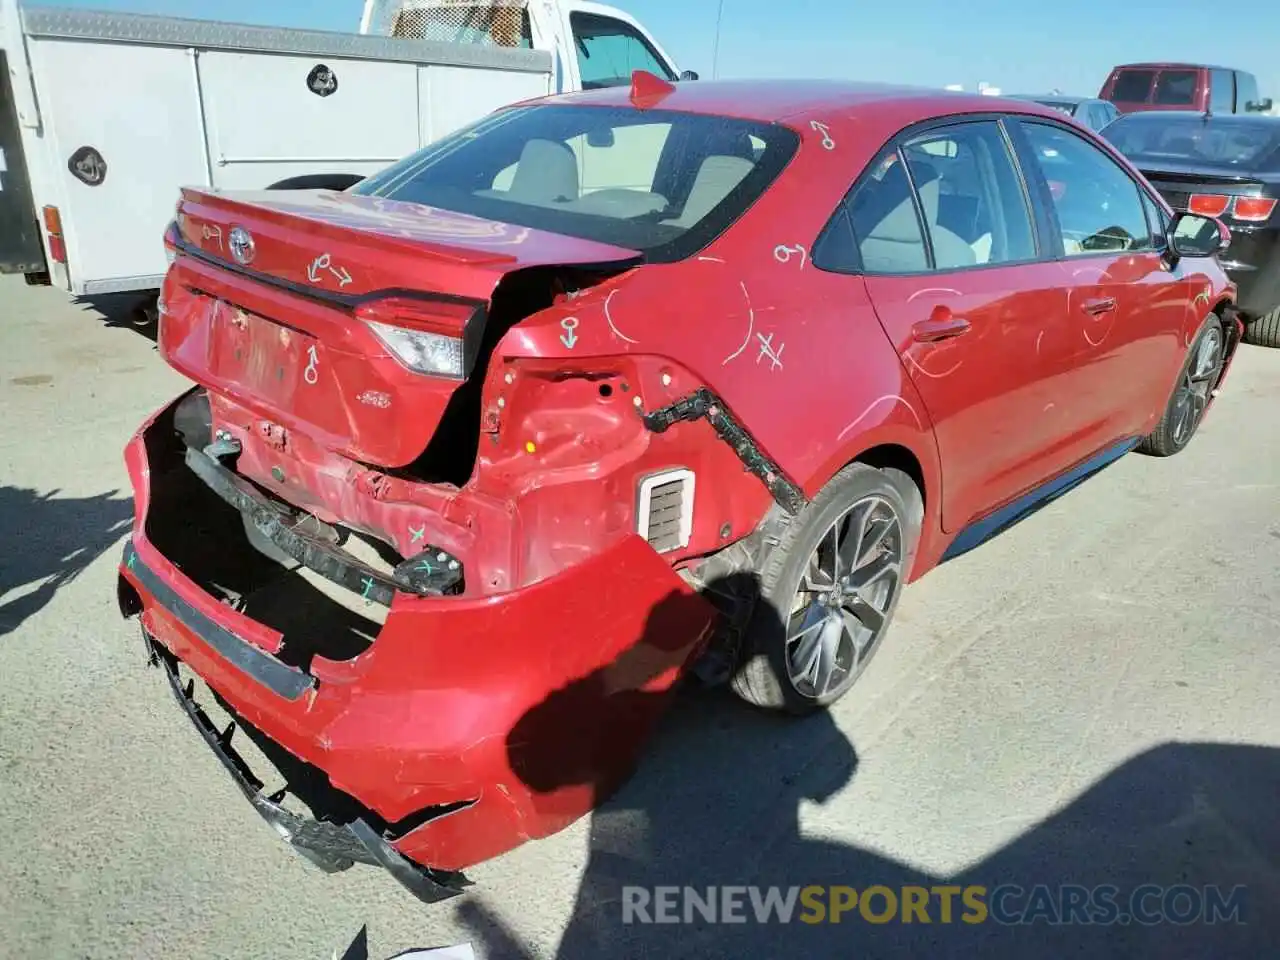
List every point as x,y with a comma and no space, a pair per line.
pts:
241,245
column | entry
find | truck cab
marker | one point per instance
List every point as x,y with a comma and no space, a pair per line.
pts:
592,44
1183,86
105,116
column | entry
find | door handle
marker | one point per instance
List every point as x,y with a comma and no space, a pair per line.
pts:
941,326
1099,306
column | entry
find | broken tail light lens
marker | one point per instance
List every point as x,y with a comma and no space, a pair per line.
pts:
1253,209
428,337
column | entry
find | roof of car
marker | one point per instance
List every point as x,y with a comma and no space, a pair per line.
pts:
775,100
1176,65
1163,116
1051,97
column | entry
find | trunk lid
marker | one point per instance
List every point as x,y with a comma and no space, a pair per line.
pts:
278,302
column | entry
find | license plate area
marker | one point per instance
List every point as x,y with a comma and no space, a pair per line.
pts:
268,359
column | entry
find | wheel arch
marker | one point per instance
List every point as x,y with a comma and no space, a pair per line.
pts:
913,452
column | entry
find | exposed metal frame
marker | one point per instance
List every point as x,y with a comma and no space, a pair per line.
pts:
60,23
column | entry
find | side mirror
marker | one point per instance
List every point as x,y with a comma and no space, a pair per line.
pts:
1191,235
1258,106
688,75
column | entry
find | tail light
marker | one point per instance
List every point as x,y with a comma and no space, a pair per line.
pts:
1208,204
1253,209
427,336
53,226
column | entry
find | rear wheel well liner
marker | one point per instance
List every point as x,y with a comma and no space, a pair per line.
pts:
896,456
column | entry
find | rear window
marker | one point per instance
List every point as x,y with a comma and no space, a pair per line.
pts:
1221,142
488,24
1062,107
1132,86
1176,88
661,182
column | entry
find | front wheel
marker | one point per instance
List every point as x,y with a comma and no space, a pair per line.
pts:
1196,383
829,589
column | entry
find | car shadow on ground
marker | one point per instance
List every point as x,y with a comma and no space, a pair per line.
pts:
716,803
49,540
123,311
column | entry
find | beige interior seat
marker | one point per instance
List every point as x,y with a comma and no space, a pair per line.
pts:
949,249
547,174
716,177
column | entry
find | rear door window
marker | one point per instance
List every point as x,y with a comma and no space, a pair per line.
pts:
1132,86
974,206
886,226
950,198
1176,88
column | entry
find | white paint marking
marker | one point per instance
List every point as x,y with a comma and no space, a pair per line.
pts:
711,260
783,254
325,262
751,325
822,128
312,373
609,318
768,350
875,403
928,373
569,338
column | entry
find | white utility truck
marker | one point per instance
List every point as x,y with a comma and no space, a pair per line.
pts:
104,116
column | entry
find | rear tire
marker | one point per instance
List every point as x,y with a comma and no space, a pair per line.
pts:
1265,330
812,634
1197,380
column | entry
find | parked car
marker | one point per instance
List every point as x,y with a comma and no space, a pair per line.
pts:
1093,113
479,464
1183,86
1227,167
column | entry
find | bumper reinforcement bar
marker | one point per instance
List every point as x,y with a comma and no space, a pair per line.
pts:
332,847
703,403
431,573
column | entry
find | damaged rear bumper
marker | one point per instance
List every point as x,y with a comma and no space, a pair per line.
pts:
331,847
467,726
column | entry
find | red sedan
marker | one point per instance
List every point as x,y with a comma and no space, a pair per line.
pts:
490,450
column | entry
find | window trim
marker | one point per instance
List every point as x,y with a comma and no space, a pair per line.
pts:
1024,120
842,219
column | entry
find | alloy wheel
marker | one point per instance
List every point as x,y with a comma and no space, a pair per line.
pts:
841,608
1197,383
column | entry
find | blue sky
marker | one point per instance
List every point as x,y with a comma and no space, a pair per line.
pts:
1026,46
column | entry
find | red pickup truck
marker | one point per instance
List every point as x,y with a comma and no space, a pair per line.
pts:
1182,86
